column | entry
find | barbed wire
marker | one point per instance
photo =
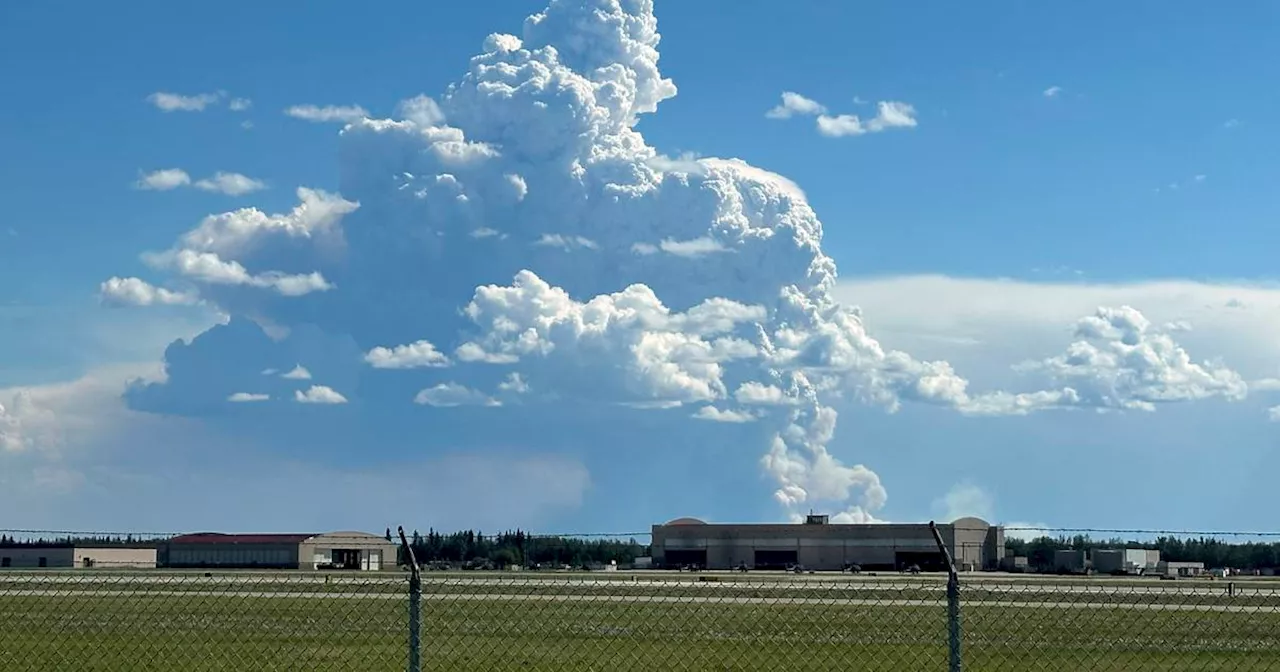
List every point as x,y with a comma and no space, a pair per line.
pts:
161,536
1165,532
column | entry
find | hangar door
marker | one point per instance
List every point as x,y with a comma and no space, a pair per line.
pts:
776,559
682,557
926,561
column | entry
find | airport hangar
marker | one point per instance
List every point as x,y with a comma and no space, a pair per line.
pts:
818,544
332,550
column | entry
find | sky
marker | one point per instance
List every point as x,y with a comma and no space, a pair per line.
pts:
589,265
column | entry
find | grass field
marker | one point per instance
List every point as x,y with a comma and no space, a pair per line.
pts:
296,621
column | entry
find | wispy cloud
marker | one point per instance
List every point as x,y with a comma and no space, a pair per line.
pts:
714,414
245,397
565,243
299,372
449,395
176,102
1231,123
327,113
231,184
239,104
1177,185
1052,92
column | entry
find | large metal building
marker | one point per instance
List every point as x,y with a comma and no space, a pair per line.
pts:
86,556
332,550
820,545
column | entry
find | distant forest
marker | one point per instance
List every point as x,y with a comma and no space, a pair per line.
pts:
1214,553
519,548
100,540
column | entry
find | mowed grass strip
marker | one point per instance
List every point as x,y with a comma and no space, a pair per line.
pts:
494,585
201,632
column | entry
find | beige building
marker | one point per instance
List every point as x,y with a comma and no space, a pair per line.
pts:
330,551
820,545
67,556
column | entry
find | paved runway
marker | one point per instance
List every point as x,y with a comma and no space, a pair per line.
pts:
1098,587
631,599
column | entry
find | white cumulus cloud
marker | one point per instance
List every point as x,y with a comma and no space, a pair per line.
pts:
318,394
693,281
211,253
421,110
231,184
1119,361
890,114
411,356
795,104
242,231
164,179
117,291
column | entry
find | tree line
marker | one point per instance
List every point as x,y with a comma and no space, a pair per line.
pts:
1212,552
471,547
78,540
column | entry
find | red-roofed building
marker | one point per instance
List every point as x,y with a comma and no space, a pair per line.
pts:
329,551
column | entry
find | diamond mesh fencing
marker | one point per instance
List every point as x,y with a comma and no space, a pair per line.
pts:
102,620
1110,623
122,618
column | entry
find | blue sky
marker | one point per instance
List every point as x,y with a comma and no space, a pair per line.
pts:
1090,156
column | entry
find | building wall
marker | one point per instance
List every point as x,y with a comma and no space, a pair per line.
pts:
114,558
1110,560
232,555
828,546
1070,561
376,553
27,557
1181,568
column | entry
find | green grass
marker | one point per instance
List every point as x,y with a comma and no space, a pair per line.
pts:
145,632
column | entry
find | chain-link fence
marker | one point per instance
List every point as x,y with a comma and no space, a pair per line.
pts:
160,621
121,618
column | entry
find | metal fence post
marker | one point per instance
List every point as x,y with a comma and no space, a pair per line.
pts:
415,606
953,603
